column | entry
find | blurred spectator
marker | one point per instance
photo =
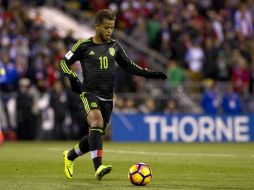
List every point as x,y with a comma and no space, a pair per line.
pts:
251,86
118,104
195,57
59,103
11,112
11,73
47,117
171,107
175,73
211,52
2,74
210,99
231,102
97,5
69,41
3,117
73,4
217,21
26,128
20,50
139,32
222,68
162,42
130,106
243,21
78,127
128,16
153,29
148,106
240,75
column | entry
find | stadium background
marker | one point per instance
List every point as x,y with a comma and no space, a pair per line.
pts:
204,46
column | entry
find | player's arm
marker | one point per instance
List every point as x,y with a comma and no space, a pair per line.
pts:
123,60
70,58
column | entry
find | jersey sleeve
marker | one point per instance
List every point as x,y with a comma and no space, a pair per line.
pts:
70,58
129,66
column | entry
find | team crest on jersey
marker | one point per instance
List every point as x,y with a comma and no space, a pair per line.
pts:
93,104
112,51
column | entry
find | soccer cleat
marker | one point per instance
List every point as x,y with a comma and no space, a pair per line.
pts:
68,165
101,171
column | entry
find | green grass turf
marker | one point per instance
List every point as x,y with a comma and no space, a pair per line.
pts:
39,166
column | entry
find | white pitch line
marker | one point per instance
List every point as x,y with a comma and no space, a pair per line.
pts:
166,153
175,154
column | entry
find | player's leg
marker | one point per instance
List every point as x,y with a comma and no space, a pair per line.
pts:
81,148
91,142
96,122
106,110
69,156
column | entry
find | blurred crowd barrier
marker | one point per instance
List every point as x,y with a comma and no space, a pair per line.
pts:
32,114
187,128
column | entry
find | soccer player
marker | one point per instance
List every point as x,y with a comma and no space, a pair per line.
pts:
97,56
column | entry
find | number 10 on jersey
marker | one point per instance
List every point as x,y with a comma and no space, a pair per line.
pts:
103,62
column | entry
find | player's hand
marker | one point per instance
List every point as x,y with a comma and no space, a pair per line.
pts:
159,75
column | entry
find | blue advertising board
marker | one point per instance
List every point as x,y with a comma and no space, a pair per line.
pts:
182,128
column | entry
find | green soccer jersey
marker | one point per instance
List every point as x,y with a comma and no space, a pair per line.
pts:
98,65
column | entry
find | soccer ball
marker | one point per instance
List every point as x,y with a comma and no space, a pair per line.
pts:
140,174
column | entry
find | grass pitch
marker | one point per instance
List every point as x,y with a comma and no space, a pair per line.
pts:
39,166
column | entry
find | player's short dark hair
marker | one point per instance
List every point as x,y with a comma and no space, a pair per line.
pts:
104,14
